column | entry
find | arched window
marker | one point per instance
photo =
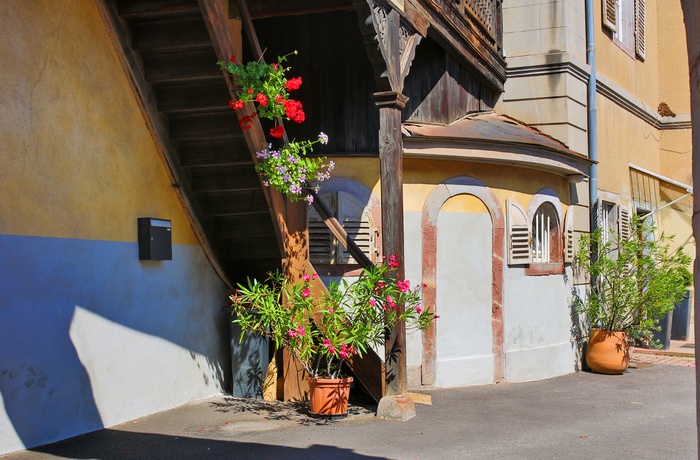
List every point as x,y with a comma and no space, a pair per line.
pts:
546,235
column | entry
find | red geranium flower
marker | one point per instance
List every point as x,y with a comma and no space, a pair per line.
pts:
232,58
293,84
261,99
238,104
277,131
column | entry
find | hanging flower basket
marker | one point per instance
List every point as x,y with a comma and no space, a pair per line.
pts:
288,169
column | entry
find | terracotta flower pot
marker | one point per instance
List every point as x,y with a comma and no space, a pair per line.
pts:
329,396
608,352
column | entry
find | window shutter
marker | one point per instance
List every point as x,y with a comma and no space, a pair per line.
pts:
321,240
610,14
640,12
599,215
569,236
519,241
358,225
623,222
361,232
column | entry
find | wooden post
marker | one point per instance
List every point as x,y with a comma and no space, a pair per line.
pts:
391,170
391,47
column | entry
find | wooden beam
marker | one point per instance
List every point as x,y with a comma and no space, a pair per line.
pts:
216,19
276,8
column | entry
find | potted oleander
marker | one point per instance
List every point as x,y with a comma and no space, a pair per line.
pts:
322,332
635,281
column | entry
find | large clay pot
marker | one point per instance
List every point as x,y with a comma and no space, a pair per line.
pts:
608,352
329,396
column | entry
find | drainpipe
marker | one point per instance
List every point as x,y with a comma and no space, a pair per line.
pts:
592,114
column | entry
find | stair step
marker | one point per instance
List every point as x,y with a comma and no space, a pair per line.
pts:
192,96
223,123
170,34
224,179
230,151
189,64
139,9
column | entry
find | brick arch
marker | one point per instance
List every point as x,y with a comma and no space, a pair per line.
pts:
461,185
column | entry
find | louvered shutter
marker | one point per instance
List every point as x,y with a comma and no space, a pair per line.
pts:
357,224
569,236
519,241
610,14
321,240
640,13
623,222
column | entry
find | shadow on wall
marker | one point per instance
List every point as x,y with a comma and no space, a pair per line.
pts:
92,337
32,391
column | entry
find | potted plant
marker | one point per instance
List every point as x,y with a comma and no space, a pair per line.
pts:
322,332
634,282
288,169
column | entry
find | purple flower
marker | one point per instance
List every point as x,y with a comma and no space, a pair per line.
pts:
323,138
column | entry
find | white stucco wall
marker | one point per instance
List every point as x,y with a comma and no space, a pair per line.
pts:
537,326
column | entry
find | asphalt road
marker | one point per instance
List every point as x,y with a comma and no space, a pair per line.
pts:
646,413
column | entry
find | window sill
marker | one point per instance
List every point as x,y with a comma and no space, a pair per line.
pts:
538,269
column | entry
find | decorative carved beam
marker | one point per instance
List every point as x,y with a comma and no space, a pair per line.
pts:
391,44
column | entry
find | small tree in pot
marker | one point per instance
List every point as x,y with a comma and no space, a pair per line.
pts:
635,282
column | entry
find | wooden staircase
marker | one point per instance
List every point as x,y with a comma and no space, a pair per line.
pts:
169,53
172,63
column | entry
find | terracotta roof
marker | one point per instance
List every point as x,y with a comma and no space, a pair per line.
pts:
500,138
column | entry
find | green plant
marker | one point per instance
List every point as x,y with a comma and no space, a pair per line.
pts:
322,332
287,169
635,281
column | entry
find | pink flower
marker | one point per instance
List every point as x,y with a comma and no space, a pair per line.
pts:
372,302
343,354
301,331
391,302
381,285
306,277
275,67
292,333
306,292
331,311
393,263
326,342
403,285
331,350
419,310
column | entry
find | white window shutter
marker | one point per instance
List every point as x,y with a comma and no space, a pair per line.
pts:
569,236
610,14
623,222
519,239
640,24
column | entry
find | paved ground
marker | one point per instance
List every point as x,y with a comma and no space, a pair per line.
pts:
646,413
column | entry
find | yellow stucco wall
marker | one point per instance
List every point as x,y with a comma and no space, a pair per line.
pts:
421,177
674,87
638,77
77,158
624,138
